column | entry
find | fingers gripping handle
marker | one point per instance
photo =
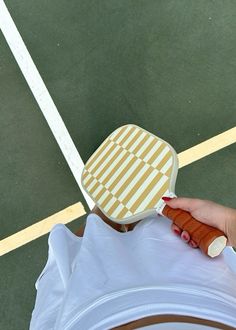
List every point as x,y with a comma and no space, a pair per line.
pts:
210,240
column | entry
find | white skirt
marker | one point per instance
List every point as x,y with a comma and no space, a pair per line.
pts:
107,278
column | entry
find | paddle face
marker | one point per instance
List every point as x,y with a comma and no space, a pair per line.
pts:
129,173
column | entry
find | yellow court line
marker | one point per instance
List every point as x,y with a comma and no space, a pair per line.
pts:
40,228
207,147
75,211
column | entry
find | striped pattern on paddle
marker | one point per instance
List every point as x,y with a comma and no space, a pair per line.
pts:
129,173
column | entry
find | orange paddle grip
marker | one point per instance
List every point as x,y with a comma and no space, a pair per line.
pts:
202,234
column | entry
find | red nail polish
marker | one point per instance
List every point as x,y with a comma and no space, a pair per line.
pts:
185,237
166,199
177,231
192,244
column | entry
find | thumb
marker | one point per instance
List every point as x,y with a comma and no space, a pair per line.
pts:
183,203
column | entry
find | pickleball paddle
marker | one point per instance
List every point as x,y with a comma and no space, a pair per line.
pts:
128,175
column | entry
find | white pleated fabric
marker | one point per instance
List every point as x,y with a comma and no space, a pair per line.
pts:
108,278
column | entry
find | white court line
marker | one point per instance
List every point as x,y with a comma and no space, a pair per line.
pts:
75,211
42,97
63,138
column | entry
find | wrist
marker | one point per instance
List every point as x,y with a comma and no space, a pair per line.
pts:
231,229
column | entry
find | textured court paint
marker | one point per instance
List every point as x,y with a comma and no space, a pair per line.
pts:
40,228
107,63
207,147
42,96
75,211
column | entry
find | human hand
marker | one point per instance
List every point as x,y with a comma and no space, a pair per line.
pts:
208,212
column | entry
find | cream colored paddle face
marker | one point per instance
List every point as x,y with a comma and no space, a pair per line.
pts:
129,173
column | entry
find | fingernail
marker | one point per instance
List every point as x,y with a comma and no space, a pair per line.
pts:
185,237
177,231
166,199
192,244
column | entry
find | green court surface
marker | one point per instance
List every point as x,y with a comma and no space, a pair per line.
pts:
167,66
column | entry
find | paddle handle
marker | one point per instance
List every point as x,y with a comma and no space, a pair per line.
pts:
210,240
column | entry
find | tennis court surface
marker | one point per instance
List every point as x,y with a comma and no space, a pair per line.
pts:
166,66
